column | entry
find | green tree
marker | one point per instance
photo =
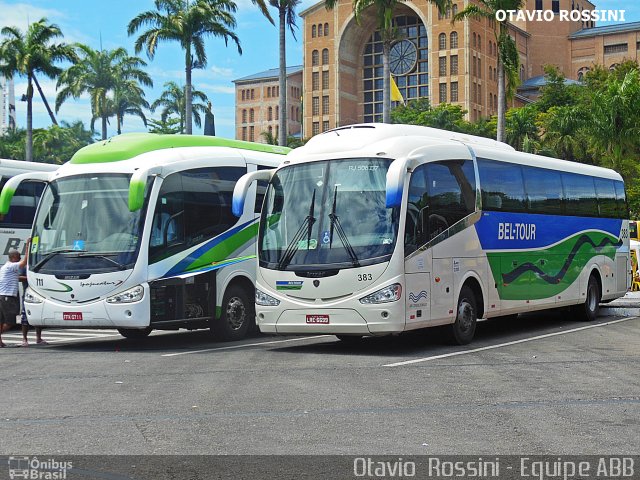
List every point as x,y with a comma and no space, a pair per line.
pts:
614,123
508,57
188,24
520,123
31,53
561,128
100,73
409,114
172,100
286,19
169,126
556,92
384,10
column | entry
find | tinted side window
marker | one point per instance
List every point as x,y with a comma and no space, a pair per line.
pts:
544,191
451,193
580,195
261,189
23,205
502,186
606,192
167,227
621,201
207,201
416,201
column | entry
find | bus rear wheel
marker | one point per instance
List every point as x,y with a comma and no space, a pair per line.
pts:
464,327
238,315
135,333
588,311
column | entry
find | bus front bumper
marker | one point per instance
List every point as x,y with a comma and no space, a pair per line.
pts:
98,314
379,320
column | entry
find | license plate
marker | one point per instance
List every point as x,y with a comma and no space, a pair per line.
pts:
318,319
71,315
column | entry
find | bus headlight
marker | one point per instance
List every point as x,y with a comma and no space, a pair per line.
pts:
266,300
134,294
388,294
31,297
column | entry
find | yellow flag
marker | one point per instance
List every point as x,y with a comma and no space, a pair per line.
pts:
396,96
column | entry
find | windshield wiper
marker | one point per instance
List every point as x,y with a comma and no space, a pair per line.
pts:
335,222
103,256
48,256
307,223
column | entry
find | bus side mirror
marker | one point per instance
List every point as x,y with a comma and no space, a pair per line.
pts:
12,185
242,187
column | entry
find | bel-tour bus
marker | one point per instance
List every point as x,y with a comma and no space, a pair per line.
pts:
377,229
136,233
16,225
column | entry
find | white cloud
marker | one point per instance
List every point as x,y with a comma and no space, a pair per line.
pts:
20,14
227,90
219,72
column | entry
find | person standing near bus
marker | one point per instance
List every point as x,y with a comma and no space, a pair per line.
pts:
23,315
9,280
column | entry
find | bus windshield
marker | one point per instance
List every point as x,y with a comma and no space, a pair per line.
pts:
328,214
84,224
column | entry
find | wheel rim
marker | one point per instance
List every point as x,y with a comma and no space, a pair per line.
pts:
236,313
592,297
465,316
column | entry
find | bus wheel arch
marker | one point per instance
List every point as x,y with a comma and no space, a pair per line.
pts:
588,310
474,284
236,317
463,328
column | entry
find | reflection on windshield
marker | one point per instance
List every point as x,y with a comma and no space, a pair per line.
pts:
84,222
351,226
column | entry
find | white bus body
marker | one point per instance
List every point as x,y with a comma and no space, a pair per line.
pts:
136,233
16,226
379,229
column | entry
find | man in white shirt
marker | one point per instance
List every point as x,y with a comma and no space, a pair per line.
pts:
9,280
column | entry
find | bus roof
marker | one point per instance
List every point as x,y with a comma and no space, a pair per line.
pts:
129,145
369,139
10,168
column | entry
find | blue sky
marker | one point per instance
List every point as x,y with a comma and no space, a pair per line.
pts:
89,21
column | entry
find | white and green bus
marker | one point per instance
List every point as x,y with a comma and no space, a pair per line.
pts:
136,233
378,229
15,226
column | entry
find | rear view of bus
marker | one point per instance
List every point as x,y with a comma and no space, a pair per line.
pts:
378,229
136,233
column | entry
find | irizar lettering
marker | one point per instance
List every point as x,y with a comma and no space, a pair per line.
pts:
516,231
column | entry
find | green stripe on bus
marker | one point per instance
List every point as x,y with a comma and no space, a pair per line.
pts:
223,251
129,145
538,274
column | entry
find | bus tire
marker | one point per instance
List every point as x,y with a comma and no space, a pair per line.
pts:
463,328
135,333
588,311
237,317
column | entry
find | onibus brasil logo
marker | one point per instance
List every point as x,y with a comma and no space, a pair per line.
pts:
37,469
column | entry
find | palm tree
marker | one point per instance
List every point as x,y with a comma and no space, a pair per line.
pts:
30,53
520,124
99,73
508,58
286,18
173,102
384,15
188,24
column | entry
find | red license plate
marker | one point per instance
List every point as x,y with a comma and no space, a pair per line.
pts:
318,319
72,316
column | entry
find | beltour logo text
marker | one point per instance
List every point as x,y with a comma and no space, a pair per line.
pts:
562,15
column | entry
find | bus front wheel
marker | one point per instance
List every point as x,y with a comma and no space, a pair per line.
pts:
588,311
135,333
237,317
464,327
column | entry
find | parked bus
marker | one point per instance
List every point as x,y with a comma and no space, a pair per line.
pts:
16,225
136,233
377,229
